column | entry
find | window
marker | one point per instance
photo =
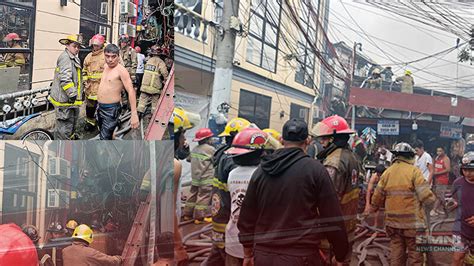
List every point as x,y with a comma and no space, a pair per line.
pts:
306,57
187,24
16,42
299,112
255,108
94,20
262,43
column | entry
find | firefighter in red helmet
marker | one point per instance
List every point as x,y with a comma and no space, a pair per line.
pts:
343,167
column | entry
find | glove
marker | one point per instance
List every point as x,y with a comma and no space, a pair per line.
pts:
72,99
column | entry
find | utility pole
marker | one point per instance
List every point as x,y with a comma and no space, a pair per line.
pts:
225,49
354,53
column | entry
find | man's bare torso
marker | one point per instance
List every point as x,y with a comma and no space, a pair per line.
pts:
111,85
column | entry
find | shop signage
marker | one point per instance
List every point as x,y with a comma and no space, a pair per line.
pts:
388,127
450,130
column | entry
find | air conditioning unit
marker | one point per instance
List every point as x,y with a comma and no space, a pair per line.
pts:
128,8
22,164
127,28
103,8
57,198
59,167
102,30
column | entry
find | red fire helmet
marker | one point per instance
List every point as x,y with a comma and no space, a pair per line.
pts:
331,125
203,134
248,140
16,248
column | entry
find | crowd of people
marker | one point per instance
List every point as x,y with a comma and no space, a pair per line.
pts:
109,81
277,205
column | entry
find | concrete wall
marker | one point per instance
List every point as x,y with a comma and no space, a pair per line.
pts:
53,22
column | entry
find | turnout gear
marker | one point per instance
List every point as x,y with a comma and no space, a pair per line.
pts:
66,94
330,126
14,59
198,204
202,134
80,254
402,190
248,140
94,65
467,161
235,125
129,60
407,82
154,76
83,232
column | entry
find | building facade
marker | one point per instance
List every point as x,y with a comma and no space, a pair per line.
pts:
276,75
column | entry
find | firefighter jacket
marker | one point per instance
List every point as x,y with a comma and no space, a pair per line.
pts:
94,64
155,68
67,83
14,59
402,190
79,254
407,83
221,201
202,170
128,56
375,83
345,172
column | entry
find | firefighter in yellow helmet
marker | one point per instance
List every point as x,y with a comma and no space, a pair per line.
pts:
66,90
407,82
154,77
71,226
13,59
80,254
221,200
94,64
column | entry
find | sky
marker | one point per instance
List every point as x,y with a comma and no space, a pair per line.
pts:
414,40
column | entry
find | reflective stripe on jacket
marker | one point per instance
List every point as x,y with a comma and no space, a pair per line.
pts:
402,190
67,82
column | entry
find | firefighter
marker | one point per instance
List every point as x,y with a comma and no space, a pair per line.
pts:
375,81
79,253
247,148
94,64
128,57
16,248
66,90
407,82
403,191
343,167
181,123
70,226
13,59
152,83
202,171
223,164
56,243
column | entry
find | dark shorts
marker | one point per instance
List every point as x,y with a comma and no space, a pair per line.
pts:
108,119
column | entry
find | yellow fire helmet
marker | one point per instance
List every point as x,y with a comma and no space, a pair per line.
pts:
407,72
184,120
83,232
235,125
71,224
77,38
275,134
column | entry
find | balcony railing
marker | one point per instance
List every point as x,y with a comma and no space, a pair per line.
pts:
190,23
24,103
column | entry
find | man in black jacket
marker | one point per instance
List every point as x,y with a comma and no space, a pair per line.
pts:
290,205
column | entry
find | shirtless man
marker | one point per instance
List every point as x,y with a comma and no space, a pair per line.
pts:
114,79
